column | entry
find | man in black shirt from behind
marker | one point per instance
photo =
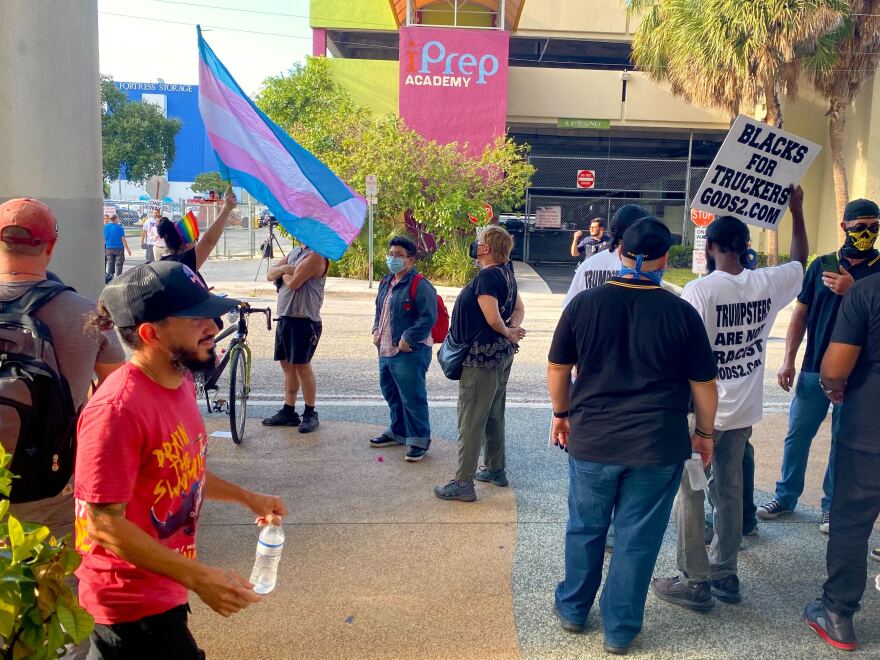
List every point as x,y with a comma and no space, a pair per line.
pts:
850,375
641,354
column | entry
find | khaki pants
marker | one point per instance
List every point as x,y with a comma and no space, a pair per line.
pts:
481,396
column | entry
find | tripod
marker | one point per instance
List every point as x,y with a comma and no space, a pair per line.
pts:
267,248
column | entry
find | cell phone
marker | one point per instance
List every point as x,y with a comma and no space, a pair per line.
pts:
830,263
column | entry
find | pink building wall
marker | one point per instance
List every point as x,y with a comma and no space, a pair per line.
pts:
453,84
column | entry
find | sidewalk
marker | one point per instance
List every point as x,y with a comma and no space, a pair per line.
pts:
376,567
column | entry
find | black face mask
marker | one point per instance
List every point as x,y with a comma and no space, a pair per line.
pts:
472,251
860,241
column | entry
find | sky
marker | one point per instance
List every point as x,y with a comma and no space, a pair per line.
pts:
144,40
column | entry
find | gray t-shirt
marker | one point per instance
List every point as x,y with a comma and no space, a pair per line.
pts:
77,349
307,300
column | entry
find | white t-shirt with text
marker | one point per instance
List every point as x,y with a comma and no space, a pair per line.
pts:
597,269
739,312
592,272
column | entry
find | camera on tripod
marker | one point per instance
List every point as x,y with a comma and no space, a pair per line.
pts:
267,250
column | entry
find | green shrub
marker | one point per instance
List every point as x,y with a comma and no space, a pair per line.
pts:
451,264
355,263
39,613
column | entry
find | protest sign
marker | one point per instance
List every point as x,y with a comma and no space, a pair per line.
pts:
750,176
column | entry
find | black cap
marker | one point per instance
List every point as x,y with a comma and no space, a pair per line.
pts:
860,208
160,290
648,238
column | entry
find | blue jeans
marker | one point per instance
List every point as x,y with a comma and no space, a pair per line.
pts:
808,410
641,499
402,379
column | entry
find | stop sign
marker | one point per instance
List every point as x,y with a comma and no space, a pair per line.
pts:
586,178
701,218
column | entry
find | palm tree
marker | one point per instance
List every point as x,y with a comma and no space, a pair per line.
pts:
729,54
838,65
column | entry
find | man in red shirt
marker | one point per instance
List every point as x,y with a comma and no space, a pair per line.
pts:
141,475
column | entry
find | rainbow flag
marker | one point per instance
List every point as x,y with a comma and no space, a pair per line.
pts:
308,199
188,228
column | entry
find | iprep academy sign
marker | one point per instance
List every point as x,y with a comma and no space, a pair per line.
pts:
750,177
453,84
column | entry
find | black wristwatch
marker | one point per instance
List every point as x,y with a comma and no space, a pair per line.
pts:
560,415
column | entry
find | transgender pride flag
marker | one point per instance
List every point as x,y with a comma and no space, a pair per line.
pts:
310,202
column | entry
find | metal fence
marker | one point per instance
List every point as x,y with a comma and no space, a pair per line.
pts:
662,185
240,240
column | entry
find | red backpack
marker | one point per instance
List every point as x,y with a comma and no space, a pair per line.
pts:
441,325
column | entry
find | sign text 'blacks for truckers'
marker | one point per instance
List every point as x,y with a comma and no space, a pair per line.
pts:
750,177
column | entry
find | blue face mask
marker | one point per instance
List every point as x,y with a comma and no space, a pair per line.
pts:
655,276
395,264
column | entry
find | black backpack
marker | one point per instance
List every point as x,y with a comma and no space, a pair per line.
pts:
37,416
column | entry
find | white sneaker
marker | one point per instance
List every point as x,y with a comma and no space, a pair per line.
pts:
825,525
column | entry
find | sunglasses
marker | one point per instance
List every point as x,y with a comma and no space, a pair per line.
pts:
873,227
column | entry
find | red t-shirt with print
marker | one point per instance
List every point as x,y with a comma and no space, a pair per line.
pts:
143,445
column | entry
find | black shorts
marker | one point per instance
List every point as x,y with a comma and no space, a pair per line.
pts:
296,339
161,635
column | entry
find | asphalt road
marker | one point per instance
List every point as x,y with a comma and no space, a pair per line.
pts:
345,363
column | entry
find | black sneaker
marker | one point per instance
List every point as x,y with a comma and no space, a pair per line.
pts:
773,509
833,629
497,477
678,592
415,454
309,422
281,418
383,441
825,525
568,626
726,590
613,649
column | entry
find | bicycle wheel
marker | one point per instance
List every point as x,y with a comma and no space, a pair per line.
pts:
238,395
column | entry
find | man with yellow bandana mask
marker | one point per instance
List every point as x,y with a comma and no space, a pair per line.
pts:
827,279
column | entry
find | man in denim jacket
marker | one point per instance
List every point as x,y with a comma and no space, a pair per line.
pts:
402,333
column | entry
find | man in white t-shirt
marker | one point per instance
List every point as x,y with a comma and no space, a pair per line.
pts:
597,269
150,239
738,307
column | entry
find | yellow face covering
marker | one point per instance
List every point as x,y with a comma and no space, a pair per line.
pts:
860,240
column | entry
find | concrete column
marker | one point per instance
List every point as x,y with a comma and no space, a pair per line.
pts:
50,125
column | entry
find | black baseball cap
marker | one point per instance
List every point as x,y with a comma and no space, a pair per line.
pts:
159,290
859,209
648,238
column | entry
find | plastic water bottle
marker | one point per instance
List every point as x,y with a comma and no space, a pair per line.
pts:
269,549
696,473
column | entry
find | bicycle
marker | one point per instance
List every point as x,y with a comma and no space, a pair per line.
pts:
239,356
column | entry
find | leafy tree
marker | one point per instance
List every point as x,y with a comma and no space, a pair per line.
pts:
39,613
438,183
729,54
208,181
137,141
838,65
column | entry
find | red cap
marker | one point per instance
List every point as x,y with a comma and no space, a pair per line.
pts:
29,214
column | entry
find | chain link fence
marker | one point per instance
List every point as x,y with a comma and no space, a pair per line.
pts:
661,186
240,240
